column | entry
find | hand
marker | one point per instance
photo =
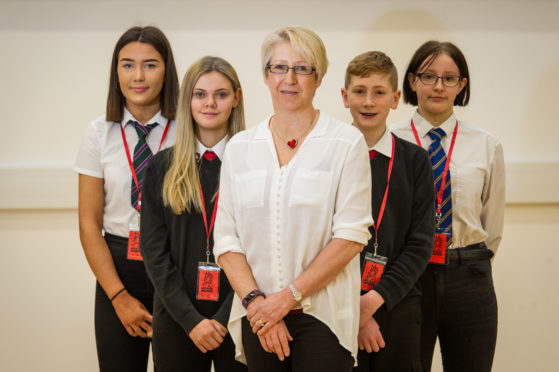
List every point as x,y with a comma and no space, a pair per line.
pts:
370,337
369,304
207,335
276,340
133,315
270,310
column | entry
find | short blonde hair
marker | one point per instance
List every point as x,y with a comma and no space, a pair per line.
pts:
304,41
369,63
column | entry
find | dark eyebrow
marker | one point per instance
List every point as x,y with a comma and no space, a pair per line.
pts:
124,59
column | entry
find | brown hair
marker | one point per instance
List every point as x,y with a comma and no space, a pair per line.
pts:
424,57
169,92
371,62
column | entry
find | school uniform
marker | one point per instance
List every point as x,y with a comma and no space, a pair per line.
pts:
458,302
102,154
172,246
405,238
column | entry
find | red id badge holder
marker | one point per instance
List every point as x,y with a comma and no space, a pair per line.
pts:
439,248
134,241
373,267
208,281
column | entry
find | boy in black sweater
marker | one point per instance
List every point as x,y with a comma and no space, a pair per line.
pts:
403,210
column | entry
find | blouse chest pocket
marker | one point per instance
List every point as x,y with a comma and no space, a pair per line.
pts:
249,188
311,188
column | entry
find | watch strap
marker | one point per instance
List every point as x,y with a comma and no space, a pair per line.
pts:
251,296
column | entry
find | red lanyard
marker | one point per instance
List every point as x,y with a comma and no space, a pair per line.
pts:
204,216
443,181
130,159
383,205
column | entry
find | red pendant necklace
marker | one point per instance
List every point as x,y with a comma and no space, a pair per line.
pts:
294,141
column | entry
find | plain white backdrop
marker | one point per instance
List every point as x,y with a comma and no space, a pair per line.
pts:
55,58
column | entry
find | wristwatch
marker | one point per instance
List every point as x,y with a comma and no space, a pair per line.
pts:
297,296
251,296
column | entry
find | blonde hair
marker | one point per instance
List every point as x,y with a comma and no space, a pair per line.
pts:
369,63
181,184
304,41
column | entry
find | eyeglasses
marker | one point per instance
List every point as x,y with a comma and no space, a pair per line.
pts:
284,69
428,78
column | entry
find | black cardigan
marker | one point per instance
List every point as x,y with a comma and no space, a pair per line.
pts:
407,228
172,245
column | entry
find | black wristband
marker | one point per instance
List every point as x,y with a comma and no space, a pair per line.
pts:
116,294
251,296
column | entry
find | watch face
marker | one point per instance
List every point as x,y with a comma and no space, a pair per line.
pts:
296,294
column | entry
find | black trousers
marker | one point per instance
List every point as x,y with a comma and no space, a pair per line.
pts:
401,330
460,307
117,351
314,348
174,351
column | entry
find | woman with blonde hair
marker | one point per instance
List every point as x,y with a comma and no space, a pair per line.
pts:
192,296
294,212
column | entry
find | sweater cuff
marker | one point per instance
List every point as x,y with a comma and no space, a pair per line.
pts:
222,315
192,321
385,294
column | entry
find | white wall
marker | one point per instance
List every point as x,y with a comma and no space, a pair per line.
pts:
55,61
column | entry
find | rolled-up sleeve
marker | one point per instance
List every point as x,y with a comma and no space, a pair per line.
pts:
352,211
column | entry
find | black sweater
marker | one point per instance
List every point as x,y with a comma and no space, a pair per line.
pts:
172,245
407,228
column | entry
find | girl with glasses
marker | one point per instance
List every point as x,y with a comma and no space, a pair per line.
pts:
458,298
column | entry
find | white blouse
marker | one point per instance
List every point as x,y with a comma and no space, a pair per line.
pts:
477,171
102,155
281,218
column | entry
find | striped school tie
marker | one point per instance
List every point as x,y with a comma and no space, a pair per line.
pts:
142,155
438,161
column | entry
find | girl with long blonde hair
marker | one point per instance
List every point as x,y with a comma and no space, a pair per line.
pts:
192,296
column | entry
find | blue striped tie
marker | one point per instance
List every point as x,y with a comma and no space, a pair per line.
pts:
142,155
438,161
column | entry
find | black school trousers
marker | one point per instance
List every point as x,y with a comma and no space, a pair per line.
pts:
459,307
314,348
401,330
174,351
117,351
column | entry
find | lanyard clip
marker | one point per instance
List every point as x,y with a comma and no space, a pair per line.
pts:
375,245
